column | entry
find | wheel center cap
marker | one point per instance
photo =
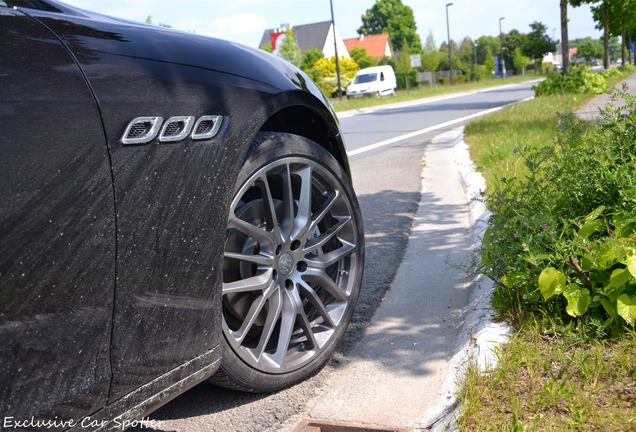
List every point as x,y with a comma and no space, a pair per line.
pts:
285,264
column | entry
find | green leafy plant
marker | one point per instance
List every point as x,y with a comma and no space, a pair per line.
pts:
611,73
627,69
562,239
579,80
604,262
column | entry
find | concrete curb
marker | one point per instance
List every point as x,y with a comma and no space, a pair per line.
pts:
480,335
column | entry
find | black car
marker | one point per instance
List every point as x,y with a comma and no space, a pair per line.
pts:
174,208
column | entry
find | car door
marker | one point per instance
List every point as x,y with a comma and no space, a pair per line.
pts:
57,233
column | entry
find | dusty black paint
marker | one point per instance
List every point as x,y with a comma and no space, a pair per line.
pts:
108,288
57,237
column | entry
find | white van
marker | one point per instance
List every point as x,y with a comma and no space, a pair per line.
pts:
377,80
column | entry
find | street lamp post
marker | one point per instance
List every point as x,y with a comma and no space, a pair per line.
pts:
475,49
450,58
335,48
502,65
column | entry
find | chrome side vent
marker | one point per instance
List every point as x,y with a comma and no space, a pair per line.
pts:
176,129
141,130
207,127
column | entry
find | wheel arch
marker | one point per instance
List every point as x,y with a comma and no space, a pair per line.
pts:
305,121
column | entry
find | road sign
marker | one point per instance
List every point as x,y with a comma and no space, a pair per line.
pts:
416,61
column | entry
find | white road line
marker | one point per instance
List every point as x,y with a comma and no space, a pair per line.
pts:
428,129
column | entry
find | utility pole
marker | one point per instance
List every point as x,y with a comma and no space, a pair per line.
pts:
335,48
450,58
502,65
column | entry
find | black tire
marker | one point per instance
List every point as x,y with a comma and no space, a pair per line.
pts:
294,256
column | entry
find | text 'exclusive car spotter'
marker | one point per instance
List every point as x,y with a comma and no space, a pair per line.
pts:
175,208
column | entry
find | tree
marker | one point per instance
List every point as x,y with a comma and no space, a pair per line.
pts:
267,47
311,56
489,63
511,41
444,63
601,14
404,63
590,49
362,57
466,51
308,65
622,14
289,50
565,42
394,18
430,56
539,43
485,44
520,61
430,45
614,49
430,61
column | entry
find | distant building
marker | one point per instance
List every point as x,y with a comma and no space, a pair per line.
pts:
319,35
558,55
377,46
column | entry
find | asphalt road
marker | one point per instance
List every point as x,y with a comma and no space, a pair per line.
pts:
386,147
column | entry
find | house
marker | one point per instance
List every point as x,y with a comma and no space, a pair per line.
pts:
377,46
319,35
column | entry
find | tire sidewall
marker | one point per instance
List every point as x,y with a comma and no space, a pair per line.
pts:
267,148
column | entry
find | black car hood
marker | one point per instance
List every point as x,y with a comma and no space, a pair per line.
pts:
125,38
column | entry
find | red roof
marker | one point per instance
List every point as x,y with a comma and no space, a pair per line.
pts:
374,44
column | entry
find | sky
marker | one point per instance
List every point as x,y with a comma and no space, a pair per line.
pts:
244,21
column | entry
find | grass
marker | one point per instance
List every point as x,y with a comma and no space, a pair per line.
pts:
424,92
554,381
493,138
550,376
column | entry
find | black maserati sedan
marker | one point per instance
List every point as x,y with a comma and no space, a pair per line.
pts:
173,208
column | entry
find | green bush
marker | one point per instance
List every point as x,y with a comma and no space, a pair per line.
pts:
401,80
579,80
479,73
627,69
459,79
562,240
611,73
